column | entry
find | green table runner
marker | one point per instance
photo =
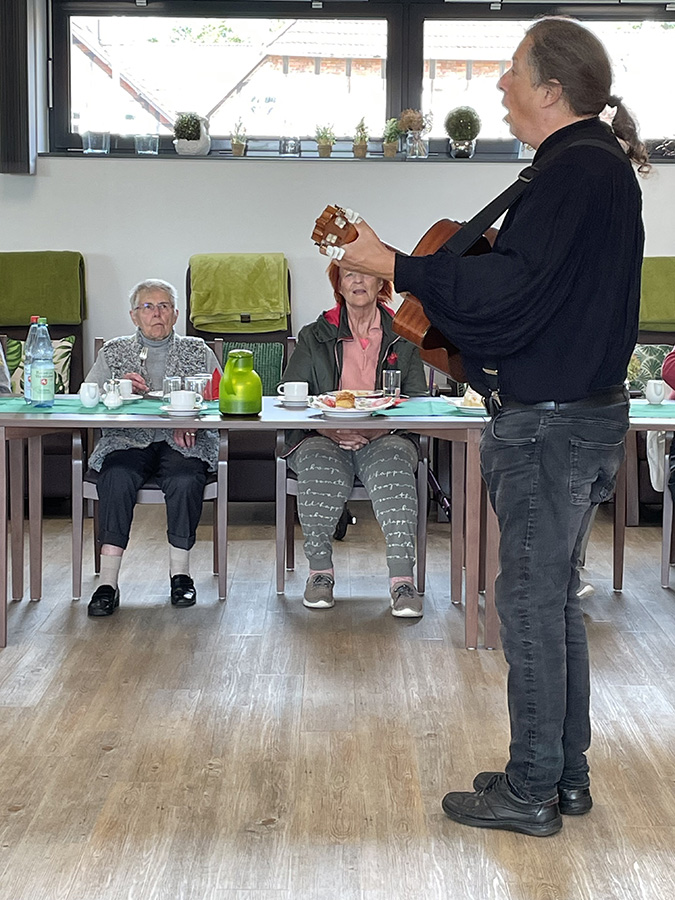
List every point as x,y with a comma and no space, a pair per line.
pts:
427,406
640,409
73,405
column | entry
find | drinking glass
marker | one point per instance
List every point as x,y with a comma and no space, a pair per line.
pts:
171,383
391,382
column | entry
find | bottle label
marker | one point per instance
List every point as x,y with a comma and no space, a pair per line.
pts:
42,383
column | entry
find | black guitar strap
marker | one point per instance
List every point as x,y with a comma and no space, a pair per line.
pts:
464,239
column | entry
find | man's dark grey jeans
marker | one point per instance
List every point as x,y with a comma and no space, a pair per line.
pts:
546,469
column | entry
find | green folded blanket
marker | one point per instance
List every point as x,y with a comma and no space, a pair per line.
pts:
239,292
657,304
42,283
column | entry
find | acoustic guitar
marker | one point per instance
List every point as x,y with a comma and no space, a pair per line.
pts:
335,227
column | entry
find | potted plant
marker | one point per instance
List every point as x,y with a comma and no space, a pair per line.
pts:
462,126
325,138
360,145
191,135
415,125
392,133
238,138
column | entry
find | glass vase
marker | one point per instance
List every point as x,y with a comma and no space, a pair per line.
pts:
416,146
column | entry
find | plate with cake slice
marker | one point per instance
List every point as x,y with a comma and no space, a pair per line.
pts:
351,404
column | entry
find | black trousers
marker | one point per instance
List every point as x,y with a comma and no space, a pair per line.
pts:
124,472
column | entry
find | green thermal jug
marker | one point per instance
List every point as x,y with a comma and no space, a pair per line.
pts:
240,386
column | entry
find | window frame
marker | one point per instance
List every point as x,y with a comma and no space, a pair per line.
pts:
405,33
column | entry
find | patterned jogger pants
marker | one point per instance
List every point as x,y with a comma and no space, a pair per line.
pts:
386,468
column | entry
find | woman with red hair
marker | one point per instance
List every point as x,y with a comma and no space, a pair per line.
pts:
347,348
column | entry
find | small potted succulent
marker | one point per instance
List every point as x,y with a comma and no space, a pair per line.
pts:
462,126
360,145
191,135
238,138
390,138
415,125
325,138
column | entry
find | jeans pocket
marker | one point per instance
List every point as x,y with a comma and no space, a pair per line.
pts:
514,428
593,469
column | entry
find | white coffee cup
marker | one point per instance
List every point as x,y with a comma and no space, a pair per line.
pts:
295,391
185,400
655,390
126,388
89,394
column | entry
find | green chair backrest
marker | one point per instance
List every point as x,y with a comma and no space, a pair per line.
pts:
268,361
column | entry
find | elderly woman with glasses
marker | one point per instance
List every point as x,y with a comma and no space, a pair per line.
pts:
125,458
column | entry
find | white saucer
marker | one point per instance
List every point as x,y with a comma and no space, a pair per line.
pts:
181,413
293,404
133,397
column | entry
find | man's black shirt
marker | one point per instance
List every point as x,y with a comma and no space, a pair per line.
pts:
555,306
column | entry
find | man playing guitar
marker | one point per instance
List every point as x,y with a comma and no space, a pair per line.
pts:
546,324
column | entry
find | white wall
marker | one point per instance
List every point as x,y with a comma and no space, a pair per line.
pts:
139,218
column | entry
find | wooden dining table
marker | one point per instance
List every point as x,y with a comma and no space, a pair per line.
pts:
439,419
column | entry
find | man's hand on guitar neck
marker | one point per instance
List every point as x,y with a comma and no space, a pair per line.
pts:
367,254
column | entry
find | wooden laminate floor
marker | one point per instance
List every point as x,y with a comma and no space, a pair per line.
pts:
257,750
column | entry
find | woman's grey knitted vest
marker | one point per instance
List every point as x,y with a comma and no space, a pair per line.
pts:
186,356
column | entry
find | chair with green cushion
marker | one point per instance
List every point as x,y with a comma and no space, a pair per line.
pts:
251,474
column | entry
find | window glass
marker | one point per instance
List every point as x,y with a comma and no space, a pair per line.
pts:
463,61
132,74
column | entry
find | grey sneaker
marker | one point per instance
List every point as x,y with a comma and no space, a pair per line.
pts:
405,601
319,591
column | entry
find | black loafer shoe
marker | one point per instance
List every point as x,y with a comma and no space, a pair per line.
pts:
496,806
571,801
104,601
183,591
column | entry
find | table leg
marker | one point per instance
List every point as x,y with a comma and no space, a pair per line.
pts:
619,527
280,522
473,503
3,537
457,512
491,571
16,472
35,514
221,505
667,519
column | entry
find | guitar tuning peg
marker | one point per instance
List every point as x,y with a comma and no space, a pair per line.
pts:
334,252
353,217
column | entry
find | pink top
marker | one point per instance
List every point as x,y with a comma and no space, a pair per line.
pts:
668,372
359,361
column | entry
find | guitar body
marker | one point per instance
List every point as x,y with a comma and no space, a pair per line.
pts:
335,227
411,321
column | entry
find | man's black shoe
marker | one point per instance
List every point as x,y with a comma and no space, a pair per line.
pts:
104,601
183,591
496,806
571,801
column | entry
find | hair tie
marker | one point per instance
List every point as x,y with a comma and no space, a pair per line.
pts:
613,100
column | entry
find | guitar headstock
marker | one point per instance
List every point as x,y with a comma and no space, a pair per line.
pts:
335,227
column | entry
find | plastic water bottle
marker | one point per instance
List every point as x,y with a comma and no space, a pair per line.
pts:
42,368
28,356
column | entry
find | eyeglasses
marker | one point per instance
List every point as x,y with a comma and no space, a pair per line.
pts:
151,307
